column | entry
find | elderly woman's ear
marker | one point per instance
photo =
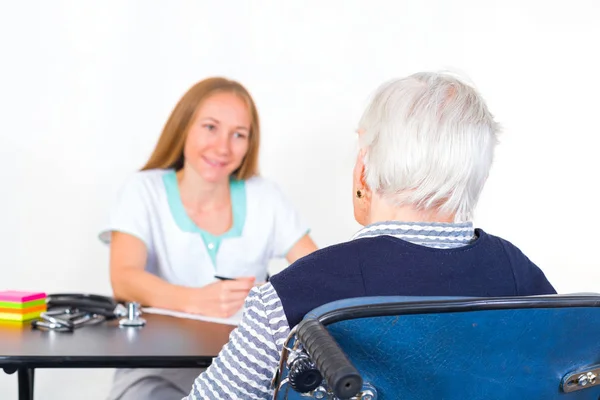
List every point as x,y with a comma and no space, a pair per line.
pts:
361,192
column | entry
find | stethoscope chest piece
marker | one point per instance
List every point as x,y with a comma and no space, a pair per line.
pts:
133,318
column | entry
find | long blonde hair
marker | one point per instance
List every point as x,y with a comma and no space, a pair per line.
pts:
168,152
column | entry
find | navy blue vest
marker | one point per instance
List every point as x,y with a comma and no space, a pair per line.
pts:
387,266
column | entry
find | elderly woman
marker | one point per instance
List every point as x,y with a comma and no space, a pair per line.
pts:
426,146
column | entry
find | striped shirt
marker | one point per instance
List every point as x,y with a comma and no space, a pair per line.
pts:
247,363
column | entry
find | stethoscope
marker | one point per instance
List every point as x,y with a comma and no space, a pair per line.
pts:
68,311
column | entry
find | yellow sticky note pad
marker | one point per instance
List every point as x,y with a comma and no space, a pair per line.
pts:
19,317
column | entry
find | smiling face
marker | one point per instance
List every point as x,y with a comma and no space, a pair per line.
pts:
218,137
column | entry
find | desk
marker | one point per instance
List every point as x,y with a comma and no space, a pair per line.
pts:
164,342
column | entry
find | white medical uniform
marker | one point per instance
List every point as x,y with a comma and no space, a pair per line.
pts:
149,207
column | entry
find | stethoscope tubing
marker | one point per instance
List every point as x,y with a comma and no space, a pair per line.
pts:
67,311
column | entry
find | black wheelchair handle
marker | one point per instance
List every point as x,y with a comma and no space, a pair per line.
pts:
339,373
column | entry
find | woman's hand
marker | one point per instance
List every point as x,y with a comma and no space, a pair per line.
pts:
220,299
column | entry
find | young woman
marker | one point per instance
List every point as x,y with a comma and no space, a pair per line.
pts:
197,211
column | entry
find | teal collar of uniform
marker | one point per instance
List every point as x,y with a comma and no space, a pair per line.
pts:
237,191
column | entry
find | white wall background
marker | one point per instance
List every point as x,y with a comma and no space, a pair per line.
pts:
85,88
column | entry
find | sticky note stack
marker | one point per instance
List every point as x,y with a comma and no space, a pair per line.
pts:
21,306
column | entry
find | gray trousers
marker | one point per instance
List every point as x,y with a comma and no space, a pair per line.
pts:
153,384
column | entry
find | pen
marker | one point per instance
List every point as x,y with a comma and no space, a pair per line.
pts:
223,278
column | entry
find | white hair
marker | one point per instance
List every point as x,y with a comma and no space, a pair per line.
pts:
429,142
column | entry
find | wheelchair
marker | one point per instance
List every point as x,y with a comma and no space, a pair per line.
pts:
450,348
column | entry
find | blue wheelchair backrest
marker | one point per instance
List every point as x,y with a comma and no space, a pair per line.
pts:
425,348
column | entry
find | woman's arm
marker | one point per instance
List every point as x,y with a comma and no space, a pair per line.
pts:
303,247
130,282
246,365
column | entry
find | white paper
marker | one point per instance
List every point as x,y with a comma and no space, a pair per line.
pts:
233,320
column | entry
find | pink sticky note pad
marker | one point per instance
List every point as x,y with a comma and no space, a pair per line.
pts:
16,296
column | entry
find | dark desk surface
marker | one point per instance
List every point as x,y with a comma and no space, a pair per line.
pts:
163,342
